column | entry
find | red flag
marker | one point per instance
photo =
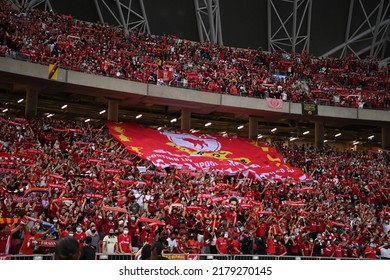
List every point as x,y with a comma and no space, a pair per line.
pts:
204,152
164,75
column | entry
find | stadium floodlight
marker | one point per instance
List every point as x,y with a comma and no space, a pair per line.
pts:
355,142
325,141
338,134
102,112
240,127
274,129
208,124
306,132
370,137
20,100
87,120
259,136
5,110
64,106
173,120
49,115
139,116
293,138
159,128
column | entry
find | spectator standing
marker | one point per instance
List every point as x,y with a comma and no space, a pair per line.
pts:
222,244
124,242
110,243
88,252
31,238
80,235
6,238
92,232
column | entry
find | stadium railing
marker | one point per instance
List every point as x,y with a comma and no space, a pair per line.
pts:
101,256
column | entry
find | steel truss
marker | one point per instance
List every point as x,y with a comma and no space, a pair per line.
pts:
289,25
370,37
209,21
129,14
31,4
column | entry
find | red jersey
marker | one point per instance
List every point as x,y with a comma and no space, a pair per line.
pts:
338,251
80,238
271,249
370,253
107,225
235,247
222,245
5,242
328,251
27,247
262,229
305,249
124,242
193,246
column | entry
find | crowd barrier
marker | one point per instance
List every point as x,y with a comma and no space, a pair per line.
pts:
101,256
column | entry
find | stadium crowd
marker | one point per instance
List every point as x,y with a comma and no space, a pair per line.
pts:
102,49
61,178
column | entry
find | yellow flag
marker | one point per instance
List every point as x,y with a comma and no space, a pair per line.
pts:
53,72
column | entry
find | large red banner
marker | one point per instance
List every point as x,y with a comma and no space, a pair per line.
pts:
194,151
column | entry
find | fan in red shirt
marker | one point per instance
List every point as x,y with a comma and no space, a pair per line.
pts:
235,246
281,249
6,238
338,250
31,238
147,235
124,241
263,228
370,251
109,223
328,250
193,245
80,235
306,248
222,244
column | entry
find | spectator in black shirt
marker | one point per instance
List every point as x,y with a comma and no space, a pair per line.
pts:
88,252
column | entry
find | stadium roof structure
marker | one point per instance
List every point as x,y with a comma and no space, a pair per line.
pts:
330,28
324,28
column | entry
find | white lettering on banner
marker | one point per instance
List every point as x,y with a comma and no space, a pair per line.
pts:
163,156
233,163
205,164
169,158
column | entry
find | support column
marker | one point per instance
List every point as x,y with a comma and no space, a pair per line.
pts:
30,110
113,107
319,135
386,137
185,121
253,128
